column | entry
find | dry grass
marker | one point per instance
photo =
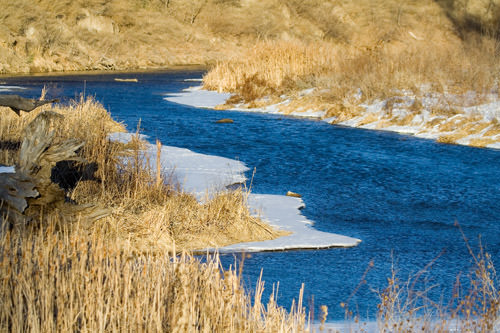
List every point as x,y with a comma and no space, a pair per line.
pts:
340,70
58,277
453,124
481,142
388,46
145,215
450,138
369,118
269,67
124,272
405,121
494,130
479,15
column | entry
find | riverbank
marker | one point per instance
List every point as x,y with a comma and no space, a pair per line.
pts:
473,125
204,176
132,256
142,216
397,309
367,63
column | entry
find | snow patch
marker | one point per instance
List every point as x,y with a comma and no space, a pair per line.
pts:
387,112
7,169
198,174
283,213
202,174
488,111
4,88
308,114
199,98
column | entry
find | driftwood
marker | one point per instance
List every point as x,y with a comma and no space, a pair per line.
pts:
18,103
31,184
15,188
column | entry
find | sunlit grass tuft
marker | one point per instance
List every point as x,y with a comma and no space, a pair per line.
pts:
59,277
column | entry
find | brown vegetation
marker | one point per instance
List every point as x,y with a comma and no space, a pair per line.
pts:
474,307
386,50
132,34
120,273
123,272
391,46
145,214
58,277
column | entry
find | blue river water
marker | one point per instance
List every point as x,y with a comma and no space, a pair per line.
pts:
400,195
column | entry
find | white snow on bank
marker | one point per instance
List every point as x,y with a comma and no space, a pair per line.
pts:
414,325
4,88
201,174
198,97
308,114
7,169
196,173
283,213
377,116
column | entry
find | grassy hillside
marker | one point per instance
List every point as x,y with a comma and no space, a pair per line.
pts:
404,53
376,46
84,35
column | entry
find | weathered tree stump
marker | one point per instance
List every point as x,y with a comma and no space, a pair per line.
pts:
15,188
31,184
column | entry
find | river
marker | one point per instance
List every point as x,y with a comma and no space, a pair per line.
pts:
400,195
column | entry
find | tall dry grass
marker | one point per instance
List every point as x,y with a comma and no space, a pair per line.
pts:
389,47
58,277
143,213
474,305
127,271
478,15
135,34
339,71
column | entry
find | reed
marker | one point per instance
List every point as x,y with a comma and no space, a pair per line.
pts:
58,277
144,214
129,270
474,305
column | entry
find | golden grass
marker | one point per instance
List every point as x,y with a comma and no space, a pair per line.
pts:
269,66
449,125
369,118
145,215
367,35
404,121
481,142
274,68
381,49
493,131
480,15
59,277
125,272
449,138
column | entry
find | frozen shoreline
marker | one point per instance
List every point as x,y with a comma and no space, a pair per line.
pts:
375,116
279,211
203,175
283,213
